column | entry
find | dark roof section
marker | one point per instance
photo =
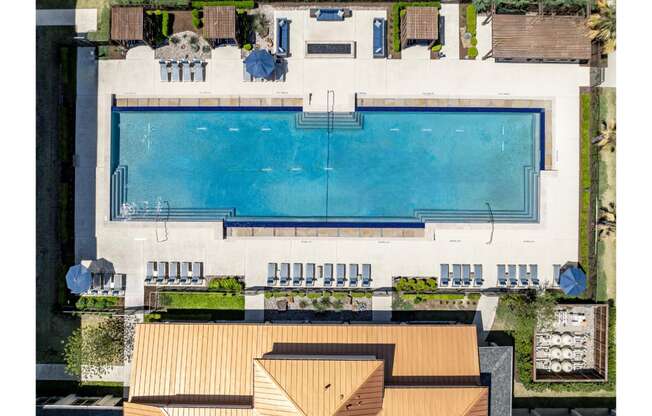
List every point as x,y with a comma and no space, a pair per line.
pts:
78,411
219,22
540,37
420,23
496,373
127,23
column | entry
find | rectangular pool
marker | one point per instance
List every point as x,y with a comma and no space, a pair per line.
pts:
449,165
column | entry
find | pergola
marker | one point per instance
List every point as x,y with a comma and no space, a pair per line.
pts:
420,24
219,24
127,24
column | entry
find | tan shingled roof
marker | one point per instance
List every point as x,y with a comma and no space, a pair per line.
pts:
127,23
421,23
219,22
540,37
443,401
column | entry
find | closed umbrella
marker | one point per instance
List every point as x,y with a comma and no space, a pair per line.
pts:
260,63
573,281
78,279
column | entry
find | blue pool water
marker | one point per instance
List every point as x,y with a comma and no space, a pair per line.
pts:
405,166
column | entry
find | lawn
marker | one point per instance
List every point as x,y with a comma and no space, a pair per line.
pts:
585,181
201,300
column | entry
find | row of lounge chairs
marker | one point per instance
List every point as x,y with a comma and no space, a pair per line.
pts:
321,272
507,275
107,285
460,275
176,71
174,273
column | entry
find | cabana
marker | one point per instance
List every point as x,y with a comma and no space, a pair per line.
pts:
419,25
219,25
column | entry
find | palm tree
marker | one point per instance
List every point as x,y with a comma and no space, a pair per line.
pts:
607,220
607,136
602,25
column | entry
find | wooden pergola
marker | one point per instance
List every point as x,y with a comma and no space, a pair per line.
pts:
420,24
220,24
127,24
522,38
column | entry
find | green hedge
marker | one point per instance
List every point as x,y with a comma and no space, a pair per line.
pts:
196,18
165,24
405,284
585,178
225,284
97,302
471,19
238,4
154,3
472,52
433,296
396,18
201,300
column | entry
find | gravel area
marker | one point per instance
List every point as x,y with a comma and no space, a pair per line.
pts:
190,46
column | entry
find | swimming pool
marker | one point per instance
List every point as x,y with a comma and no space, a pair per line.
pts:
401,167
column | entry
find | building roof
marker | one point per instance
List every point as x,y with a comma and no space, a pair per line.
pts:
219,22
540,37
421,23
286,368
496,372
447,401
127,23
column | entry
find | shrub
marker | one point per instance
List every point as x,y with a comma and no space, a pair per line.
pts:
152,317
473,296
432,283
436,48
474,41
325,301
241,4
206,49
196,19
247,47
472,52
81,303
303,304
313,295
165,24
403,13
471,19
340,295
361,294
269,294
175,40
228,284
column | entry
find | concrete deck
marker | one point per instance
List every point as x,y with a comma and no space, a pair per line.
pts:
552,241
84,20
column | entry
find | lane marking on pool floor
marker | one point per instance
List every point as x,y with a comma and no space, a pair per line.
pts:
234,129
426,130
202,128
266,169
395,129
296,169
265,129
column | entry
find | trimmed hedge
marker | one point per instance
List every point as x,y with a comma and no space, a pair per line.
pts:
472,52
225,284
165,24
471,19
201,300
437,47
247,47
405,284
97,302
585,178
238,4
196,19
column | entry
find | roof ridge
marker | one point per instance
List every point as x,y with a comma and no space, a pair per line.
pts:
278,385
481,390
378,364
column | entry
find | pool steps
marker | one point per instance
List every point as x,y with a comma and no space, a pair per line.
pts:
340,120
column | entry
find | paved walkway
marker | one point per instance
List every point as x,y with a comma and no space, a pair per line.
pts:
255,308
84,20
381,308
485,315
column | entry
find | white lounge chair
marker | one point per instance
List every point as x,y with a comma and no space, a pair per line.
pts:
165,74
174,70
198,71
197,272
186,71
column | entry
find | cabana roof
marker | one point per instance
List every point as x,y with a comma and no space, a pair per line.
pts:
219,22
420,23
521,37
126,23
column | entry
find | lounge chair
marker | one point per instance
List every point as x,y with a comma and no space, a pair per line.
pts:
330,15
174,70
366,275
466,274
353,275
107,283
328,274
185,65
341,272
534,274
165,74
512,274
285,273
443,275
149,275
477,274
502,280
185,269
457,274
174,273
297,274
310,274
118,284
379,38
161,272
96,284
271,274
198,71
197,272
522,274
282,37
556,272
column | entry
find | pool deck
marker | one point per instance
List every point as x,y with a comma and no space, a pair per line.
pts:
129,245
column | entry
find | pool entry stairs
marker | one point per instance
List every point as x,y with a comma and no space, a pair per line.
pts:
337,120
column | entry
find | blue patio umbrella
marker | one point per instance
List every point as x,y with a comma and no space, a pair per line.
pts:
260,63
78,279
573,281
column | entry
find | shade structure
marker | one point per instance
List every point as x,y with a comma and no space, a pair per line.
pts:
78,279
573,281
260,63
